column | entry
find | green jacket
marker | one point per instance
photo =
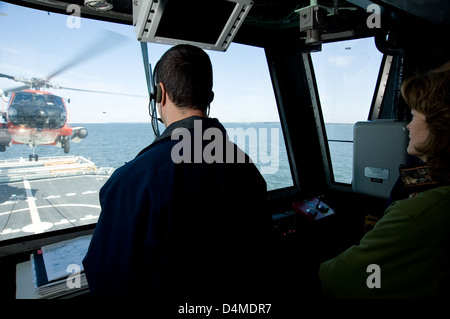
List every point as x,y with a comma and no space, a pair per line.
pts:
411,246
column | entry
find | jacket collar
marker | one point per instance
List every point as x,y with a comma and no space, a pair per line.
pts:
187,123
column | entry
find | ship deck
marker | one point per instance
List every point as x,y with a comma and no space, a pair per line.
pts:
50,194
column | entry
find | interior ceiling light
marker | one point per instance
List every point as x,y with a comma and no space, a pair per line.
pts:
101,5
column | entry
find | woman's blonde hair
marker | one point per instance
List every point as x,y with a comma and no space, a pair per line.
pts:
429,94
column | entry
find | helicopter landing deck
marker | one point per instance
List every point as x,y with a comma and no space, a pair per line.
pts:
50,194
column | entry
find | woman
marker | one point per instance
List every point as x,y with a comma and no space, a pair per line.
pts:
407,253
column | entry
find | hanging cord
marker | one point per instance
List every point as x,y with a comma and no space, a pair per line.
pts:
9,215
151,89
59,212
154,117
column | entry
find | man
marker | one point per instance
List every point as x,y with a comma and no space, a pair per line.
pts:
187,216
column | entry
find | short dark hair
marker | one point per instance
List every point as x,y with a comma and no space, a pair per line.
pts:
429,94
186,72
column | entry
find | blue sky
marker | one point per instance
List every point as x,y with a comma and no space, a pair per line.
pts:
243,91
346,74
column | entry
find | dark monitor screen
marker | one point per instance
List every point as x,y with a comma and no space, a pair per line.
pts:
198,21
209,24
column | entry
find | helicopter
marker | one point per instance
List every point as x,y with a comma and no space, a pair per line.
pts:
35,116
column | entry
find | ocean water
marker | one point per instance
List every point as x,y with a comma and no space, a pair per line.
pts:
114,144
340,142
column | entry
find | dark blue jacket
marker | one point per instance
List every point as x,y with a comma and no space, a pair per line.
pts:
186,229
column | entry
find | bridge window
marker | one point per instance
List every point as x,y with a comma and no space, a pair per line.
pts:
245,103
346,74
50,178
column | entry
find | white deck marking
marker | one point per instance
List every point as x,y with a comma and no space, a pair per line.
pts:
35,219
8,202
89,192
87,217
36,225
53,196
53,206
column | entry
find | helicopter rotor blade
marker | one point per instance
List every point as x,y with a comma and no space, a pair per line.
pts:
107,41
101,92
7,76
16,89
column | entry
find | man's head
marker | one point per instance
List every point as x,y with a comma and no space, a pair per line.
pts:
185,72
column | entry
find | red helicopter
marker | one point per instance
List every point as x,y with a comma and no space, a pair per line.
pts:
36,117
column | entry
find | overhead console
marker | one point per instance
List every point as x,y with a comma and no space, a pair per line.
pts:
207,24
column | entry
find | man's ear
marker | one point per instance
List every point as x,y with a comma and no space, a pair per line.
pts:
163,94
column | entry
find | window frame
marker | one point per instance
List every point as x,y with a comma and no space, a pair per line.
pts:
373,110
